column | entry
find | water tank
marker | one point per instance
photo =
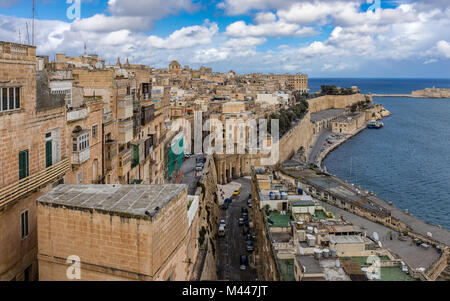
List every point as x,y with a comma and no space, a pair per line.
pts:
277,195
310,230
333,253
317,254
326,253
272,195
284,196
300,191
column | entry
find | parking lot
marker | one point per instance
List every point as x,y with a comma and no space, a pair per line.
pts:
233,245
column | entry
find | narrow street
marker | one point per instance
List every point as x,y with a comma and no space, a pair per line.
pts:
232,246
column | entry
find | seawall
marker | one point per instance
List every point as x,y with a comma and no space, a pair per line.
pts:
334,102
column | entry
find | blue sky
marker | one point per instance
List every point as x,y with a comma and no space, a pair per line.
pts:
323,38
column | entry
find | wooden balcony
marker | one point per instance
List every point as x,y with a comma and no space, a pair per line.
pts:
124,162
79,158
32,183
125,108
125,134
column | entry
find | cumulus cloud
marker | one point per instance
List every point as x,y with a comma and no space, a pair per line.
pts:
349,36
273,28
185,37
443,48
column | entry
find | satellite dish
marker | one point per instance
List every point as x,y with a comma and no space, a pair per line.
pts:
375,236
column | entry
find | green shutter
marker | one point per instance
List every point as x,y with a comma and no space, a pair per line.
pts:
135,155
23,165
48,153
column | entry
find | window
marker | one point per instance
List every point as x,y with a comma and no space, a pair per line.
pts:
80,177
80,143
24,224
94,131
23,165
10,98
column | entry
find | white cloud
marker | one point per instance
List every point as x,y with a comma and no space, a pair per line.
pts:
443,48
103,24
185,37
277,28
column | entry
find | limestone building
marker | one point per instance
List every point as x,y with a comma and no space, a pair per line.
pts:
298,82
32,155
118,232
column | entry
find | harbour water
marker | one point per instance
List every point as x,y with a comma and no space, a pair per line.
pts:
406,162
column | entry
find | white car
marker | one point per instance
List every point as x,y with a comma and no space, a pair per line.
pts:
249,203
223,223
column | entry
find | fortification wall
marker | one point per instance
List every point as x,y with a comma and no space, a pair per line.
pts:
334,102
299,136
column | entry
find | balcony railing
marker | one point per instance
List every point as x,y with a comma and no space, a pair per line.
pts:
33,182
81,157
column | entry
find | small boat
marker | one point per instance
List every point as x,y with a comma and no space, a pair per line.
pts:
375,124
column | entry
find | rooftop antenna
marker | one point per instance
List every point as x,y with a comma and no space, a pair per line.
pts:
85,52
34,9
20,38
28,35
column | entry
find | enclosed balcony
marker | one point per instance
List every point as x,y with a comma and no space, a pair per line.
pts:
110,154
80,147
125,107
125,134
124,162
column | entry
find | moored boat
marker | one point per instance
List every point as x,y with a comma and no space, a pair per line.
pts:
375,124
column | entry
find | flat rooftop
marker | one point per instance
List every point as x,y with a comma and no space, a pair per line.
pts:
312,266
345,239
326,114
119,199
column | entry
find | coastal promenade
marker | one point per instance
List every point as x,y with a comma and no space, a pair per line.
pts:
416,224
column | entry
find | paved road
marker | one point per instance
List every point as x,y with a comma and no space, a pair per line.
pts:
320,140
232,246
189,172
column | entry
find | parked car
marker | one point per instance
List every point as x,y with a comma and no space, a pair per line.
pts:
246,223
221,231
244,210
249,246
199,167
223,223
246,230
245,217
249,237
187,156
225,206
241,221
249,203
243,260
